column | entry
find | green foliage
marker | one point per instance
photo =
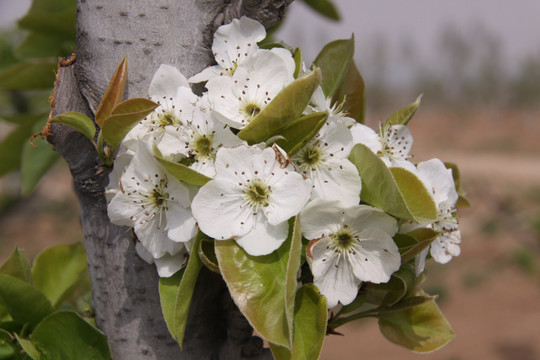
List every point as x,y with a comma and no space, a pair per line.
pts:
402,116
421,328
300,131
334,60
183,173
412,243
285,107
350,93
263,287
30,324
395,190
79,122
325,8
29,75
114,93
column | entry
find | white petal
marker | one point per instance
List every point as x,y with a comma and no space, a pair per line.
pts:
221,217
263,238
337,180
207,74
143,253
420,261
168,265
181,226
377,257
319,217
121,210
363,218
363,134
166,81
446,246
333,276
155,239
439,180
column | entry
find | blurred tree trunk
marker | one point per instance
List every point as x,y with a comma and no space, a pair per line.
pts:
125,295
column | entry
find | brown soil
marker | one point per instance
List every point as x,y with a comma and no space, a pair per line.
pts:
490,293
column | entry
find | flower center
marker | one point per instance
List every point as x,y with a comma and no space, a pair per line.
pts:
158,198
257,193
203,146
230,71
168,118
343,239
251,110
310,157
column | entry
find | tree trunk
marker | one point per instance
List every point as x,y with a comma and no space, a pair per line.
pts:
125,295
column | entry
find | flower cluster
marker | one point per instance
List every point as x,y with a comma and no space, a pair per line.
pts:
240,160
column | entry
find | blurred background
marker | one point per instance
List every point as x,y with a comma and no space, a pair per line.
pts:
478,65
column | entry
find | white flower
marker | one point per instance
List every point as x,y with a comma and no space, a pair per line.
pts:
439,181
198,140
324,161
250,199
237,100
319,103
392,146
349,245
155,204
168,264
233,43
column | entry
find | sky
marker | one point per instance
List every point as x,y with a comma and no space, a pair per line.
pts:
398,24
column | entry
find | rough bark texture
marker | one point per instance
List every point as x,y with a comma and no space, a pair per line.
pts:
125,296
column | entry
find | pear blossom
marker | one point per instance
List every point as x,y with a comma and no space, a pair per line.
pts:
320,103
250,199
392,144
237,100
166,265
198,140
233,43
325,161
349,245
155,204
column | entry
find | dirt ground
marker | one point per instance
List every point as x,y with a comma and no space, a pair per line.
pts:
490,293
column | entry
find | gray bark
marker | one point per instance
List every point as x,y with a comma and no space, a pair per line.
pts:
125,295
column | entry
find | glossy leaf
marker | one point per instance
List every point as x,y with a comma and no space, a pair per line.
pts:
352,93
462,201
168,291
185,292
412,243
357,303
207,254
58,269
28,348
288,105
36,161
401,283
300,131
324,7
23,302
310,318
263,286
183,173
29,75
395,190
421,328
402,116
17,265
65,335
114,93
124,117
334,60
78,121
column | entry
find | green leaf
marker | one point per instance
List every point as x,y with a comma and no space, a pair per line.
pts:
36,161
400,284
78,121
29,75
462,201
300,131
28,348
65,335
37,44
421,328
297,55
55,17
412,243
207,254
334,60
11,149
185,292
351,94
58,269
288,105
324,7
310,318
263,286
168,291
17,265
113,94
183,173
7,351
395,190
23,302
402,116
124,117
